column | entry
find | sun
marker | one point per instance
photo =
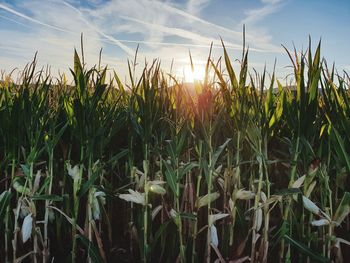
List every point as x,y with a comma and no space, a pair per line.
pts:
197,74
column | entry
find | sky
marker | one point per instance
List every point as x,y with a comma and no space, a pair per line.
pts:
168,30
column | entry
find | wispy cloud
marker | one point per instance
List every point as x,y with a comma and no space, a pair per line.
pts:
165,30
193,17
166,14
186,34
14,21
128,50
12,11
195,6
254,15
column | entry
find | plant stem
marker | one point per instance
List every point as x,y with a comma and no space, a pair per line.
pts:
89,205
195,228
7,216
209,193
145,212
35,242
291,181
266,209
237,183
76,186
46,252
256,203
179,227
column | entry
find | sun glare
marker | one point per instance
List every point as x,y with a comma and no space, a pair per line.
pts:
190,75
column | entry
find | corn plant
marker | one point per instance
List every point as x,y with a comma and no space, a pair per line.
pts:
235,167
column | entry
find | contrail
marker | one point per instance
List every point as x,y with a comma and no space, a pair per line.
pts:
12,11
128,50
100,39
111,40
14,21
152,43
185,34
222,28
195,18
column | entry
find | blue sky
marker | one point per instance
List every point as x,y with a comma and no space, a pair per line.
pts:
168,30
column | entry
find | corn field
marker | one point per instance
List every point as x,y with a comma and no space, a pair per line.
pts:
238,167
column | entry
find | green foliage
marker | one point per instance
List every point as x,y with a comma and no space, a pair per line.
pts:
236,167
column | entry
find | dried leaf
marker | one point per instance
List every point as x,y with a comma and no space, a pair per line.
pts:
214,217
214,236
157,189
341,240
97,198
244,194
37,181
206,199
320,222
258,218
263,197
231,204
73,172
299,182
133,196
27,227
310,206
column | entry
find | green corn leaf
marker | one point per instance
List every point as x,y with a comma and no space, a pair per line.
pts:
278,112
119,83
288,191
280,233
86,186
229,68
118,156
171,150
305,250
313,88
218,74
160,232
343,209
317,57
43,186
170,176
79,77
4,202
188,216
77,64
269,97
91,249
187,167
26,170
217,153
58,136
181,142
341,145
47,197
244,70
